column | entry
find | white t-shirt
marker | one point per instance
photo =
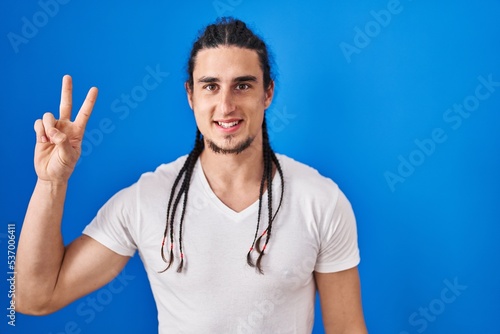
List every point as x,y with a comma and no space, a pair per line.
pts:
217,292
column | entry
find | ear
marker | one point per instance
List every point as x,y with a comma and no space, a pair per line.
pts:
269,93
189,93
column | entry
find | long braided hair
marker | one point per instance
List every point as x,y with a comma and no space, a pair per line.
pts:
227,32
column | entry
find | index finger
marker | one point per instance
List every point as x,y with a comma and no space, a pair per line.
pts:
84,113
66,98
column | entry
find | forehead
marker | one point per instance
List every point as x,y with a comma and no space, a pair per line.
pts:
227,61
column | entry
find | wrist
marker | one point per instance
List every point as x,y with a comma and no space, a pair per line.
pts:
52,185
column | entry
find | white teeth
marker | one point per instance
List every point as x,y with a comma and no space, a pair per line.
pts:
227,125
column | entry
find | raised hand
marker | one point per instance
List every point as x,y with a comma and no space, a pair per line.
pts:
58,142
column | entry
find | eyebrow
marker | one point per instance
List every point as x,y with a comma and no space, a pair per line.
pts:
237,79
245,78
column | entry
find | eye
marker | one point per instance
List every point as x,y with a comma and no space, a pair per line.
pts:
243,86
210,87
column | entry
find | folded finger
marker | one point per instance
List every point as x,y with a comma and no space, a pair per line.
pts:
49,122
41,137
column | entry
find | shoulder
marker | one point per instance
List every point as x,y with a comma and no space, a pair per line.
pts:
154,182
305,179
164,173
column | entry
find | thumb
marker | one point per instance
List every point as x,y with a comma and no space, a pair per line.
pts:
66,151
57,137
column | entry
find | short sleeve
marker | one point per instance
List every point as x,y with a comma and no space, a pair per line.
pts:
339,245
113,223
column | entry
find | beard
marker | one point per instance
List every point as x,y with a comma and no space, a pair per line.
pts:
237,149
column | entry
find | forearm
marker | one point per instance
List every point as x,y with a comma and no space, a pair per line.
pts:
41,248
355,328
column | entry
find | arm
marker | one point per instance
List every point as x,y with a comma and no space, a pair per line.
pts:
50,276
340,297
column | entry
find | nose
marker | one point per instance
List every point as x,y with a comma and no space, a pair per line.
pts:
226,103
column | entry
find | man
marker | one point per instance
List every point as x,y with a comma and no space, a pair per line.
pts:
251,234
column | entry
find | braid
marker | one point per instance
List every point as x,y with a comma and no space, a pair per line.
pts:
280,172
186,171
189,172
261,192
267,177
268,174
169,223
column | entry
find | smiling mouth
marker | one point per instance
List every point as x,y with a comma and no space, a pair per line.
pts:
228,125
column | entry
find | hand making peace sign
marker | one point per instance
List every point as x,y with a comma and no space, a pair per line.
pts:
58,142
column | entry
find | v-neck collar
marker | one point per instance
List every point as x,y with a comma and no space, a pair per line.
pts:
227,211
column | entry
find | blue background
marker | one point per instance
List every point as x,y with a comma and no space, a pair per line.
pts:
355,116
